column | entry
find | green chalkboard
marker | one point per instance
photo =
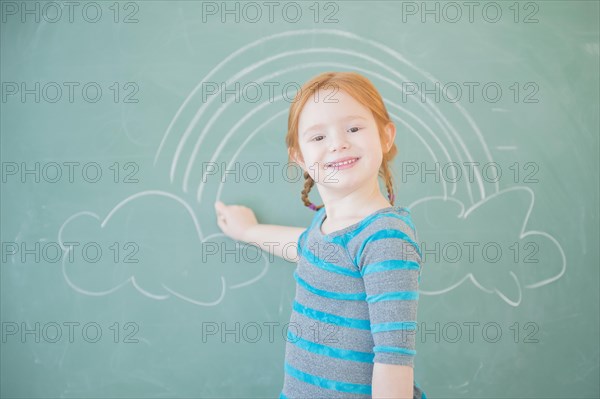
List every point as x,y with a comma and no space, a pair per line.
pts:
123,122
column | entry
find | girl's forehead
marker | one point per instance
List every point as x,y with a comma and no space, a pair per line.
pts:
331,103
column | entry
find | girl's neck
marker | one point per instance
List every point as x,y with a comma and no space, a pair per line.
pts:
357,209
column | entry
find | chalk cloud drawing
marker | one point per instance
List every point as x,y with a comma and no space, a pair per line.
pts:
179,267
501,260
439,133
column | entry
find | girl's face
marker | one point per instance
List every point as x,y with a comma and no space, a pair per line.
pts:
334,126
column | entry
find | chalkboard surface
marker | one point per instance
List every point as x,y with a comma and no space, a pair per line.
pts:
123,122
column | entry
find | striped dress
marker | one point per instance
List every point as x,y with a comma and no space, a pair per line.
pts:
355,304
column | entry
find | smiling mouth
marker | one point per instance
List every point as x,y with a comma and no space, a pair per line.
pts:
339,164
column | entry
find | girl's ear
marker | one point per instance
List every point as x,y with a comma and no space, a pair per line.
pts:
390,135
297,158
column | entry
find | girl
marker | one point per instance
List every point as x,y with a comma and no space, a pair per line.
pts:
353,323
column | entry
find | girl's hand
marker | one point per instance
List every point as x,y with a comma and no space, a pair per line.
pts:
234,220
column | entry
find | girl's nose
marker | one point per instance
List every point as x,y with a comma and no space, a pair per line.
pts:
338,142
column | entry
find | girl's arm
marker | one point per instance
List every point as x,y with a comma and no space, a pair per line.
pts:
392,381
239,223
278,240
389,262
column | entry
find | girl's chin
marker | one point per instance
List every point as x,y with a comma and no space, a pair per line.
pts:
335,182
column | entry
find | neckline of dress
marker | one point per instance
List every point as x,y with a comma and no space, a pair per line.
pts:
353,226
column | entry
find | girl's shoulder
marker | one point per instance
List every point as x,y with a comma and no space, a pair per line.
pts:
383,222
390,233
396,217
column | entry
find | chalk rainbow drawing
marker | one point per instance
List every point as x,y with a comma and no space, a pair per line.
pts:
436,133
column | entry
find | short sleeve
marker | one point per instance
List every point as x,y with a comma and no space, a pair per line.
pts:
389,261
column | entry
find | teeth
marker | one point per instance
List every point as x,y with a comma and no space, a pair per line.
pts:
343,163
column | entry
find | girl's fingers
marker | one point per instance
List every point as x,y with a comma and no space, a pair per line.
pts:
221,211
220,207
